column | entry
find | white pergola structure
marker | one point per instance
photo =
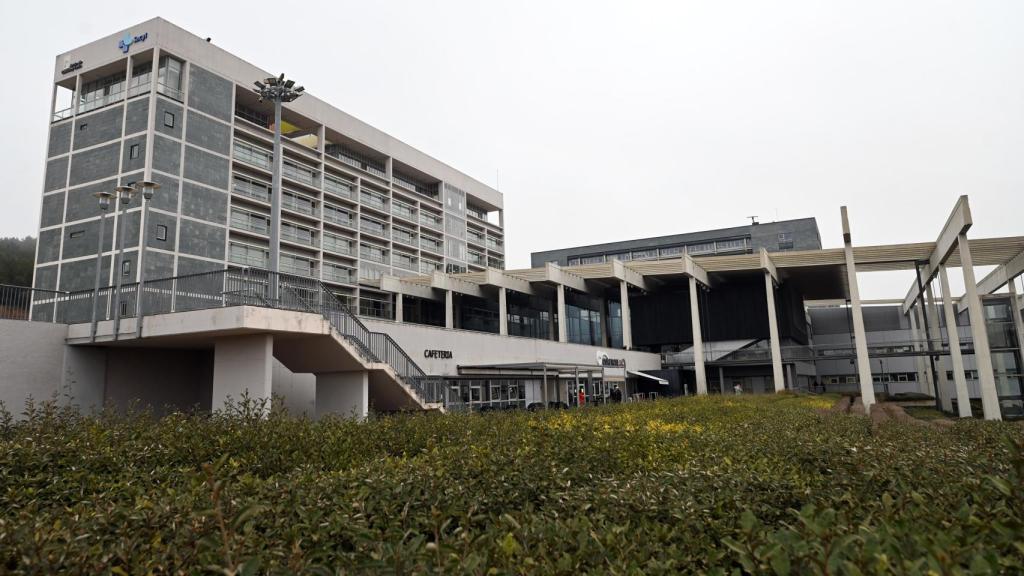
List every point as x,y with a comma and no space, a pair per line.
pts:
952,248
826,274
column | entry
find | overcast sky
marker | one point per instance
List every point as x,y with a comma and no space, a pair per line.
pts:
612,121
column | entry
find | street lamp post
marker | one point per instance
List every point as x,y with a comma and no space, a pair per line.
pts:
279,91
124,195
148,188
104,200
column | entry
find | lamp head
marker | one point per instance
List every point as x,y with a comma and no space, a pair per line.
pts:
125,193
148,187
104,198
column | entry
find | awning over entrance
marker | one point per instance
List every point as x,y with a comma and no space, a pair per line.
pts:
550,369
661,381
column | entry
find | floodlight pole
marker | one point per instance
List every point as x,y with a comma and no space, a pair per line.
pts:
275,204
280,91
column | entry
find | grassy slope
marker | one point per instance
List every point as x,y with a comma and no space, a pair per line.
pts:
766,484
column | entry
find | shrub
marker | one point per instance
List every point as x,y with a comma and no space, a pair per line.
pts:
718,485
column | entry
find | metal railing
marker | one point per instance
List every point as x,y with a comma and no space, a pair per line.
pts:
16,303
100,101
170,92
63,113
220,289
254,155
337,187
299,173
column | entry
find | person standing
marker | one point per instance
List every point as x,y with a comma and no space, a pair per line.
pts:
616,394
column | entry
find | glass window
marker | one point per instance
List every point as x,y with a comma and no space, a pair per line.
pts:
161,232
169,119
785,240
133,151
169,76
671,251
126,268
702,248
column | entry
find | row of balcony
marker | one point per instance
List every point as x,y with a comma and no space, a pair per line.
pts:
262,158
491,242
97,100
248,221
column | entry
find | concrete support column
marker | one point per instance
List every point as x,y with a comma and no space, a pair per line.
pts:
345,394
773,334
942,384
790,377
1018,324
605,339
963,396
982,353
242,364
552,334
449,309
399,308
627,325
721,380
698,339
502,312
562,323
867,384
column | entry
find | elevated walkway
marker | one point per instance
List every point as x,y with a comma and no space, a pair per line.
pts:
303,342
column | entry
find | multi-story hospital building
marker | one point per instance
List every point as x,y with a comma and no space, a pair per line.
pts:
157,102
392,291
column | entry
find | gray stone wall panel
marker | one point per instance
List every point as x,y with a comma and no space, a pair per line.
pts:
56,174
94,164
60,139
206,168
200,239
204,203
98,127
207,133
210,93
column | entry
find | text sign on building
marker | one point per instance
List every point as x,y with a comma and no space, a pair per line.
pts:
126,43
613,369
71,67
438,354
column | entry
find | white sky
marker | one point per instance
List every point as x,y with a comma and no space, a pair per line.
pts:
612,121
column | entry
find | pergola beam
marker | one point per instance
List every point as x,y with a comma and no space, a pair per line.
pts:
996,279
768,266
450,283
958,223
627,274
396,285
556,274
494,277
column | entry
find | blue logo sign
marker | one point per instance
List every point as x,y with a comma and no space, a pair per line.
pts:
126,43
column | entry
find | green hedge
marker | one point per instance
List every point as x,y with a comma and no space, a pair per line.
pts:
719,485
